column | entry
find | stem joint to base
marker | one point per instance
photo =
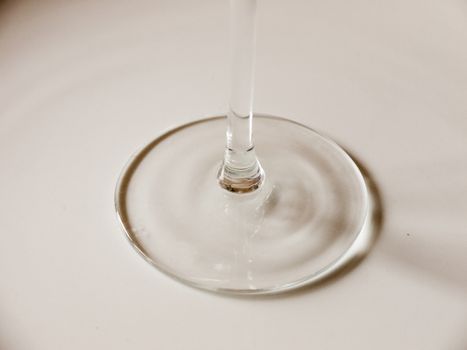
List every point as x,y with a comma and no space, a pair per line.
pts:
240,172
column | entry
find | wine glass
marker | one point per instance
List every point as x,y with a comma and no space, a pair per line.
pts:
210,209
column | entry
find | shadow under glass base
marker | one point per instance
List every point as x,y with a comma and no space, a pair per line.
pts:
311,217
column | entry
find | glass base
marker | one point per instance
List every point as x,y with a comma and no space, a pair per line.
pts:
311,217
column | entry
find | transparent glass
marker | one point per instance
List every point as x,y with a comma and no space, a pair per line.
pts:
212,210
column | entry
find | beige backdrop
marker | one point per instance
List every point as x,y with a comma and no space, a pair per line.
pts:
84,83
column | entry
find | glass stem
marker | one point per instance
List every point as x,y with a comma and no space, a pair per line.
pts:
240,171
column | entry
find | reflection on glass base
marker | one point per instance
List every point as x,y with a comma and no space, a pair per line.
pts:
311,217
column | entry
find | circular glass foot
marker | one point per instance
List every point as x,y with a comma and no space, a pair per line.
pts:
311,217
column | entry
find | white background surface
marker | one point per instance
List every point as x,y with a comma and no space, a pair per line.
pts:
84,83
